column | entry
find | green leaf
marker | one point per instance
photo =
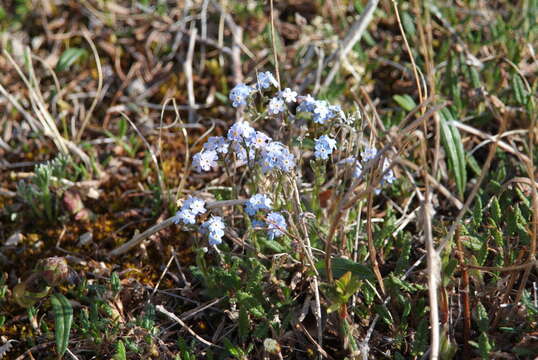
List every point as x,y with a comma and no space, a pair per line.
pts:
519,90
405,101
496,211
384,313
69,57
63,318
409,26
244,324
121,354
341,266
454,149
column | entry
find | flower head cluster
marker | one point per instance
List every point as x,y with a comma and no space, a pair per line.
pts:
217,144
321,110
214,228
256,203
368,154
276,106
190,208
205,160
288,95
248,145
275,225
241,131
324,146
388,174
239,94
276,156
265,80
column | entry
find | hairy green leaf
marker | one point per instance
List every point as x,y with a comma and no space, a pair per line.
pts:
63,318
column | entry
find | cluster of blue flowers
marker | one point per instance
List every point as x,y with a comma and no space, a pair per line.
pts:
256,203
275,222
275,225
324,146
248,145
214,228
192,207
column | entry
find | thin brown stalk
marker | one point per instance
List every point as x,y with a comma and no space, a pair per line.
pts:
464,293
371,245
273,42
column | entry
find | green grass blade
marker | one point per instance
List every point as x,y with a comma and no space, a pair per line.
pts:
454,148
63,318
121,353
69,57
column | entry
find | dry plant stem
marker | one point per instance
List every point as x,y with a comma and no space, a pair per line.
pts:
161,277
310,258
86,120
506,147
408,48
464,293
434,271
273,41
172,316
371,246
318,346
353,36
186,165
48,125
505,268
187,67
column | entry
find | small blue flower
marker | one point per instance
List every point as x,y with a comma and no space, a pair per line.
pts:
195,205
321,111
275,225
256,203
324,146
217,143
288,95
190,208
205,160
239,151
307,103
258,141
265,80
276,106
368,154
335,111
185,216
240,131
258,224
214,228
277,156
239,94
388,177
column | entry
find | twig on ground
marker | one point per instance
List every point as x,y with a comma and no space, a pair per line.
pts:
172,316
